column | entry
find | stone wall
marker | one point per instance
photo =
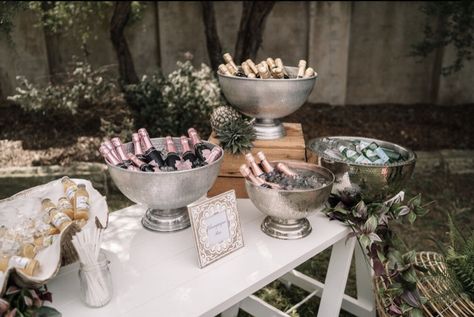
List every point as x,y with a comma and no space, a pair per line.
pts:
359,49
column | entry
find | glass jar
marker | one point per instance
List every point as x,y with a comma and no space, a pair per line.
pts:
96,282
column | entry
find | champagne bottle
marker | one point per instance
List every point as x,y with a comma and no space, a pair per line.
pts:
223,69
234,72
263,71
172,158
245,171
253,67
279,63
247,71
121,153
137,148
200,148
111,159
277,73
257,171
309,72
267,167
188,154
301,68
65,206
110,146
286,170
142,166
215,154
82,203
271,63
26,265
58,219
229,60
154,156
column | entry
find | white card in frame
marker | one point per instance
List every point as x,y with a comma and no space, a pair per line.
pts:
216,227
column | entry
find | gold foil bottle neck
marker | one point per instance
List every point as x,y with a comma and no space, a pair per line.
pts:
247,71
252,66
309,72
223,69
263,71
301,68
230,69
229,60
271,63
278,73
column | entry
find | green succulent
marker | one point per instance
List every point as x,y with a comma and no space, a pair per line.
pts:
236,136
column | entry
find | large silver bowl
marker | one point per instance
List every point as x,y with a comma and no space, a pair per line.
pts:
168,193
287,210
267,99
375,182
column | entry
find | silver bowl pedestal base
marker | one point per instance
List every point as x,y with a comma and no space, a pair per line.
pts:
166,220
286,229
268,129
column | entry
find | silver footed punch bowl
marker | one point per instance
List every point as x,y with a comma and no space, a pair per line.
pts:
166,194
267,100
375,182
287,210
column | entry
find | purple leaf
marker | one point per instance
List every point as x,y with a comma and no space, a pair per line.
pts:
395,309
379,269
411,298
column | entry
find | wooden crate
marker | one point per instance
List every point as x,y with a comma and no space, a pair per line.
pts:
291,147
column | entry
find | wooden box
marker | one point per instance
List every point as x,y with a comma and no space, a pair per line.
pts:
291,147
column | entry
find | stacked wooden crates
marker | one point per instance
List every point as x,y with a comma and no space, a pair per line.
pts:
291,147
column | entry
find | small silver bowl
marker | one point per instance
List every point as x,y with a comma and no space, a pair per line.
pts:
374,181
267,99
168,193
287,210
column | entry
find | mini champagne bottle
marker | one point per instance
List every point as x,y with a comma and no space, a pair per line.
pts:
112,160
215,154
154,156
223,69
247,71
286,170
70,188
253,67
247,173
266,166
110,146
229,60
188,154
309,72
65,206
172,158
137,148
200,148
257,171
263,71
301,68
279,63
142,166
26,265
121,153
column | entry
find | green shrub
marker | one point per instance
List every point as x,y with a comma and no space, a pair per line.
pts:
172,104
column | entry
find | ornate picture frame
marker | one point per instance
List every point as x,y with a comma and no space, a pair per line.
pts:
216,227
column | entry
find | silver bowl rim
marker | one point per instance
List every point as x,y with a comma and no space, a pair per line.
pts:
170,172
315,76
297,190
412,157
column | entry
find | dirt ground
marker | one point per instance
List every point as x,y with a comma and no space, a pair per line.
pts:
27,139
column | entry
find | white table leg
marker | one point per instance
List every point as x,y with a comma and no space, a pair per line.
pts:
232,311
364,280
336,278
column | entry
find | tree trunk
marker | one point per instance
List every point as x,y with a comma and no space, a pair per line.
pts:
120,17
51,39
214,48
252,24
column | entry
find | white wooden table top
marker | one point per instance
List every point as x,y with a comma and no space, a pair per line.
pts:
157,274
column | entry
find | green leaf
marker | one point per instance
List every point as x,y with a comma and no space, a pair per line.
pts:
371,224
415,312
411,217
410,276
46,311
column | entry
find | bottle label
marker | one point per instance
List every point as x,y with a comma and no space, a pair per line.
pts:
19,262
64,204
70,192
58,219
82,202
384,157
48,209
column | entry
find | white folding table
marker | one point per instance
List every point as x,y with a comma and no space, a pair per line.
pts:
157,274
